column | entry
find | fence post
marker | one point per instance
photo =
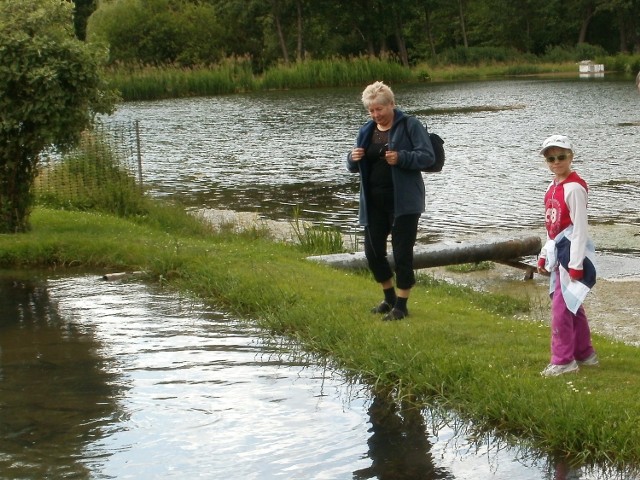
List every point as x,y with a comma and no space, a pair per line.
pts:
137,123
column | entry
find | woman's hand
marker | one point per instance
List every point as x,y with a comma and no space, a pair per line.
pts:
391,157
357,154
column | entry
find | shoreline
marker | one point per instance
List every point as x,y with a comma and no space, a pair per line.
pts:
613,306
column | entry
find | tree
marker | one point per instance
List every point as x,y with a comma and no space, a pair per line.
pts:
157,32
276,10
83,9
463,26
50,91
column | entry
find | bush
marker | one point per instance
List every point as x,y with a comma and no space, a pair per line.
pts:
628,64
481,55
582,51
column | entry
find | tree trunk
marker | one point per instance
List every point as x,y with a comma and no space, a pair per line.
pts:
16,180
463,28
440,255
402,47
427,29
300,54
281,39
383,47
623,33
586,19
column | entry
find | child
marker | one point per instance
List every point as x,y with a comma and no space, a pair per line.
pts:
568,256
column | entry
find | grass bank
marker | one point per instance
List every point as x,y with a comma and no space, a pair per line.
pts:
459,349
235,75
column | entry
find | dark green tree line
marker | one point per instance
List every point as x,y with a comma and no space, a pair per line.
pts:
283,31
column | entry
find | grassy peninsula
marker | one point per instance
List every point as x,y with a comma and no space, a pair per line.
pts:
460,350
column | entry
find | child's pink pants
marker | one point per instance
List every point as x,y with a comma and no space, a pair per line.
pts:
570,334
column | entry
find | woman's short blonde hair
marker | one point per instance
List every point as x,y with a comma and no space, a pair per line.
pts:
377,93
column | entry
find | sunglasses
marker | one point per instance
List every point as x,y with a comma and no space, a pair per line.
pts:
559,158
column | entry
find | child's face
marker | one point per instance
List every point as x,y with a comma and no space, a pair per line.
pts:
559,161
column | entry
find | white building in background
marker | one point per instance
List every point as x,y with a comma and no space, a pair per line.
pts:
589,68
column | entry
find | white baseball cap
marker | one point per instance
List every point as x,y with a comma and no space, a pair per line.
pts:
556,141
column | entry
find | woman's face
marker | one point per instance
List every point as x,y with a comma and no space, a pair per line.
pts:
382,114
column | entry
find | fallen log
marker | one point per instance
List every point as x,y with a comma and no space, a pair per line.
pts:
500,250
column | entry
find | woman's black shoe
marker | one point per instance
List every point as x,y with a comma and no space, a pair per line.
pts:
395,314
384,307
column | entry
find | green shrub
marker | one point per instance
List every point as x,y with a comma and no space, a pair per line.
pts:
582,51
481,55
624,63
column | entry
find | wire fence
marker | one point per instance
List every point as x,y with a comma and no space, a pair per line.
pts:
107,148
104,172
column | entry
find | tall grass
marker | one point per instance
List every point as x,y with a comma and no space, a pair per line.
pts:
334,73
92,177
235,75
317,239
148,82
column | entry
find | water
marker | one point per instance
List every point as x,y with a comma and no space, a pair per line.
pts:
270,152
107,380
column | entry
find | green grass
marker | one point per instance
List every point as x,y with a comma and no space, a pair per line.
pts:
235,75
459,349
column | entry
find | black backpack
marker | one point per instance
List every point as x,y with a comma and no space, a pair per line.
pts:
438,148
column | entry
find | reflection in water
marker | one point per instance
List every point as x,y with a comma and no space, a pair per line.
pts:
399,446
107,380
55,396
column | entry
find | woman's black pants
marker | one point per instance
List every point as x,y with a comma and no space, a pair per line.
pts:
403,231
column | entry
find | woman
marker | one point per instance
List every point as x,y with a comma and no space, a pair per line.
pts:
569,256
391,150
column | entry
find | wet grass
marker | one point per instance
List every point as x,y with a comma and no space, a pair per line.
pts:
460,349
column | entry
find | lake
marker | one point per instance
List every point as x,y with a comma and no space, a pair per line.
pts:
271,152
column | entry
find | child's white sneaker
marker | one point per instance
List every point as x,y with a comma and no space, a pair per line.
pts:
590,361
555,370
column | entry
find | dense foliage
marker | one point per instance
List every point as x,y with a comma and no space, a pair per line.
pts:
49,90
190,32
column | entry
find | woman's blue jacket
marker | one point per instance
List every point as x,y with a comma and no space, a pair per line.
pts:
411,140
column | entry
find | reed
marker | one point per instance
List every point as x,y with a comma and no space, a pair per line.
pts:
235,74
316,239
334,73
149,82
